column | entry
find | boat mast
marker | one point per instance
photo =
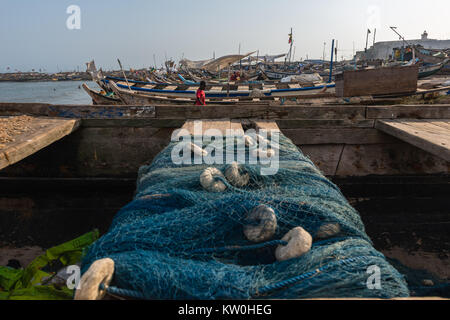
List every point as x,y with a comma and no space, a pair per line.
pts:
404,41
331,62
291,41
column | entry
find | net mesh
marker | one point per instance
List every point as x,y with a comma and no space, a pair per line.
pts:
176,240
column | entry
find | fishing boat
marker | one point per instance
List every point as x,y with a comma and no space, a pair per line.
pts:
128,97
426,71
429,56
99,98
278,75
94,168
251,91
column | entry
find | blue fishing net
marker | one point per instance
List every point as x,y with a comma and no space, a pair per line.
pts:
176,240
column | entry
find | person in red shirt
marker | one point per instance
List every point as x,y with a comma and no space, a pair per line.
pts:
200,96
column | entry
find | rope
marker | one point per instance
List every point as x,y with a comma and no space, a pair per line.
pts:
242,248
258,292
123,292
304,276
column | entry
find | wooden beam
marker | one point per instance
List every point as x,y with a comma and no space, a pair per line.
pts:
324,124
196,127
40,133
409,112
311,136
266,125
424,134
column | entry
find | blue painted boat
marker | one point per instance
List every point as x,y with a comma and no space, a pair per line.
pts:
224,94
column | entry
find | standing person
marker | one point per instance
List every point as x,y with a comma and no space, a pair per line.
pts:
200,96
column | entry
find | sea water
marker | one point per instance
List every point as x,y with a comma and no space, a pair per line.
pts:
53,92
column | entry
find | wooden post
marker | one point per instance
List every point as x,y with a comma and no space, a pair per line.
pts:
123,72
367,39
331,61
228,87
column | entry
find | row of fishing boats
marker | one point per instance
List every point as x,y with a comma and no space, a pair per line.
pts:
287,86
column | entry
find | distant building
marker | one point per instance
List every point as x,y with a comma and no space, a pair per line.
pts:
383,49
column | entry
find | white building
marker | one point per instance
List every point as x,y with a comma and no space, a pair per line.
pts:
382,50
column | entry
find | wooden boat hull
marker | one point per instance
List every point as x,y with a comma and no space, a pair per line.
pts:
95,169
128,97
100,99
272,75
232,94
427,71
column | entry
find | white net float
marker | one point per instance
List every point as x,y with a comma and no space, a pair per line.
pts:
299,243
235,177
328,230
209,182
100,272
262,224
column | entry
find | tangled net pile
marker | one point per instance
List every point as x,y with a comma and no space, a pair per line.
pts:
176,240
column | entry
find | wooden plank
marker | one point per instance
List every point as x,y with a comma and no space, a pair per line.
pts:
41,132
409,112
318,112
212,111
441,123
419,133
199,127
171,88
266,125
77,111
389,80
324,124
132,123
311,136
326,156
388,160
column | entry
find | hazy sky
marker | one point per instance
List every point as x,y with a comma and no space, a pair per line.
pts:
33,34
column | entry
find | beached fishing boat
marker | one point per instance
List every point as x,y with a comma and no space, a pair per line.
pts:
128,97
429,56
278,75
94,168
426,71
101,98
251,91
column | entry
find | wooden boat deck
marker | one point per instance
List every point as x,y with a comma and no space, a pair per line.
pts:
431,135
27,135
400,190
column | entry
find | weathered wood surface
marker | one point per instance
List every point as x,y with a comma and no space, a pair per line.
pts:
424,134
240,111
270,126
388,159
42,132
341,140
324,124
77,111
380,81
315,136
224,126
422,111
